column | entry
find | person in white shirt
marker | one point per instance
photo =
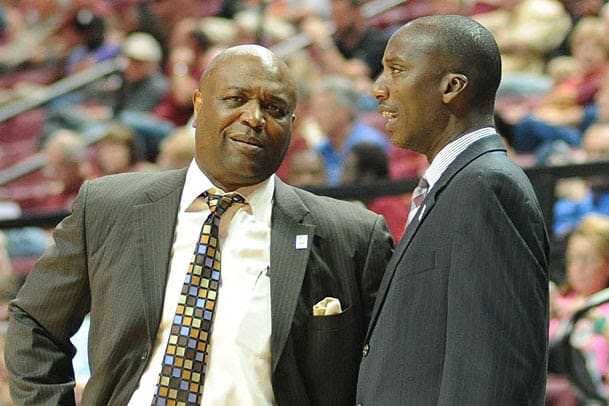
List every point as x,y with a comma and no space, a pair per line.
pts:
299,272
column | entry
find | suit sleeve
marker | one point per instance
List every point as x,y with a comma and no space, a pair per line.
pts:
47,311
497,306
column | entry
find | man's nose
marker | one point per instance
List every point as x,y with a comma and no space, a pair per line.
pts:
252,115
379,90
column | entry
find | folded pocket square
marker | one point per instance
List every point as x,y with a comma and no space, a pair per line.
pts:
327,306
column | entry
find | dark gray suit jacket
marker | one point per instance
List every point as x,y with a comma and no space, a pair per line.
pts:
111,257
462,313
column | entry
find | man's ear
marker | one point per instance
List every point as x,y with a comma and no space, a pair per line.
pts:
452,85
196,103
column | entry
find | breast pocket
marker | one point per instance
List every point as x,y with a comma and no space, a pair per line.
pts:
333,353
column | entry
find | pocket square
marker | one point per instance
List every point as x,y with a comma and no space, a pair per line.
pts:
327,307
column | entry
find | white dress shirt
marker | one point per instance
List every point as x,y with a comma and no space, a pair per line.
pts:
448,154
239,363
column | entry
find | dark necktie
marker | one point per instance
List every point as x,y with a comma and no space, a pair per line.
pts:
418,195
185,361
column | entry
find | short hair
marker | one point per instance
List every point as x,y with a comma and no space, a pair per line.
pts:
595,229
466,46
341,88
123,135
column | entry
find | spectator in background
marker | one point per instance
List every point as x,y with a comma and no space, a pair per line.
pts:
354,49
29,36
91,46
368,163
538,136
562,108
186,62
307,169
578,197
177,149
117,152
334,105
67,167
140,88
527,31
587,270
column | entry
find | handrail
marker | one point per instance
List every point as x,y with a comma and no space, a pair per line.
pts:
543,180
60,87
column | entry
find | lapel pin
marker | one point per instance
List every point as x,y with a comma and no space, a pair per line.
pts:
301,241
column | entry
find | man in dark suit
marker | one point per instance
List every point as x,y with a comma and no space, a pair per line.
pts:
122,257
461,315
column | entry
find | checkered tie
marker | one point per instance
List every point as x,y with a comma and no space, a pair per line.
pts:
418,195
185,362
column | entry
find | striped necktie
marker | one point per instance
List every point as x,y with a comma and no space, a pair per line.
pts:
185,361
418,195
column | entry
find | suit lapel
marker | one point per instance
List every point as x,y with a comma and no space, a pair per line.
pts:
288,263
482,146
154,223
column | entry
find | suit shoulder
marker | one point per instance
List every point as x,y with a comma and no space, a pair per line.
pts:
132,184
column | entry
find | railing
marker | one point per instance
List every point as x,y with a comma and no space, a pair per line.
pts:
61,87
543,179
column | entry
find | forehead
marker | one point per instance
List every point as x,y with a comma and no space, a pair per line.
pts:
408,43
253,73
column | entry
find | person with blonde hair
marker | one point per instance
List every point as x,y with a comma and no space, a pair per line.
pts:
587,273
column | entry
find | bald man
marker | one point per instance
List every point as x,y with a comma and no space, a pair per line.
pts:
299,273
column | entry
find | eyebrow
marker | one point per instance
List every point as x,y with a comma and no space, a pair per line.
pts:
272,97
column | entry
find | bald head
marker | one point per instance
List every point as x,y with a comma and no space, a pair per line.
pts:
264,56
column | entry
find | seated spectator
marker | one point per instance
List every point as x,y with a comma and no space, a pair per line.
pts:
67,167
334,105
24,246
91,46
186,63
140,89
527,31
535,135
29,35
578,197
177,149
117,152
587,272
368,163
354,49
306,169
590,49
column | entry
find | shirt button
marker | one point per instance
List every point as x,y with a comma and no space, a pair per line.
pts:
365,350
144,355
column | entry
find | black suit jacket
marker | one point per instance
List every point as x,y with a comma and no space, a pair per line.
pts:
462,312
111,258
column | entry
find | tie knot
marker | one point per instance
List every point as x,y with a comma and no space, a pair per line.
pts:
419,193
423,184
218,204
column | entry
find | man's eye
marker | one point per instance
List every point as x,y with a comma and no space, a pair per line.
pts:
275,110
234,100
395,69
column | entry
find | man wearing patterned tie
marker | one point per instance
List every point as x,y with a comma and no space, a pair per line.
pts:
201,283
461,315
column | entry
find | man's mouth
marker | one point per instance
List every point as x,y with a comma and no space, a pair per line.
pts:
246,142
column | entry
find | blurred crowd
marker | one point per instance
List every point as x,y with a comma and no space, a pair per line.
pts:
552,109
